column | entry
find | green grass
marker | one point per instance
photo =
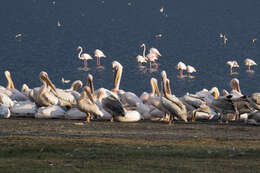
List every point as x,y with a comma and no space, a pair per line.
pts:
44,154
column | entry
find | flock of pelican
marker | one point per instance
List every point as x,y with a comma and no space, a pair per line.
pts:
115,104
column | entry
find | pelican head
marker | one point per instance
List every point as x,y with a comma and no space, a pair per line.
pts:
90,83
118,72
234,84
154,85
88,92
24,88
101,94
10,84
44,77
76,85
164,75
215,91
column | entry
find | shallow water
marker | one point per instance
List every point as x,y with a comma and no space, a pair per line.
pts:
190,33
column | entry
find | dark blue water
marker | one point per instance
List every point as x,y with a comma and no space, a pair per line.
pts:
190,33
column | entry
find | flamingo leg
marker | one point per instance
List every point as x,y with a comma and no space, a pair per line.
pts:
150,65
231,70
98,61
181,73
85,64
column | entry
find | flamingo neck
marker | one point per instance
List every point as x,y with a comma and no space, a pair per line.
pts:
144,51
80,51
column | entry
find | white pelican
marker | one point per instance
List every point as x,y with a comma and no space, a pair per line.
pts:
190,70
113,106
155,90
75,114
44,97
170,102
234,84
98,53
4,111
24,109
53,111
254,118
181,66
4,99
15,94
117,77
128,98
84,56
232,64
87,104
249,62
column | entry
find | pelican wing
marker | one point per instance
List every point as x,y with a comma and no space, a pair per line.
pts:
112,105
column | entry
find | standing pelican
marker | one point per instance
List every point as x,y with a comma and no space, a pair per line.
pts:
171,102
190,70
87,104
232,64
249,62
181,66
44,96
84,56
98,53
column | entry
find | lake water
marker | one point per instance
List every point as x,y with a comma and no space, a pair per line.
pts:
42,35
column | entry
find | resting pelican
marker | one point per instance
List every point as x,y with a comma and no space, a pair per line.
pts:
44,97
234,84
181,66
4,99
171,102
190,70
84,56
15,94
249,63
232,64
50,112
87,104
155,90
4,111
98,53
114,107
195,105
254,118
128,99
118,73
24,109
